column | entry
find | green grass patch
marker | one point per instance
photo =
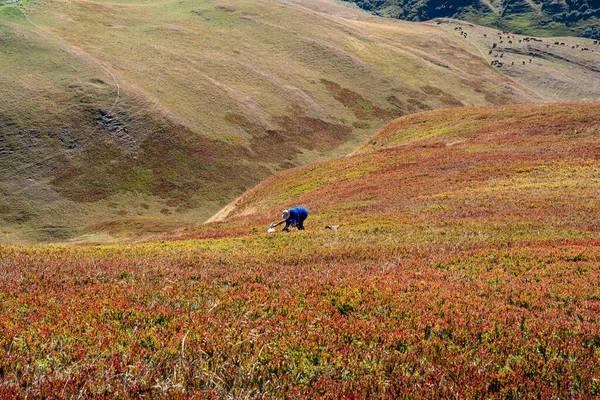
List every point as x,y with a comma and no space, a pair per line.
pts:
12,13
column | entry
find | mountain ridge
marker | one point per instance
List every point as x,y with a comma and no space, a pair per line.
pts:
528,17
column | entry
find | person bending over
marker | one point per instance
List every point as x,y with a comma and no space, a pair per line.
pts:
293,217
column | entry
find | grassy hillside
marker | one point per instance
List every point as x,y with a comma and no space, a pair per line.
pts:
556,69
467,264
538,17
128,114
468,173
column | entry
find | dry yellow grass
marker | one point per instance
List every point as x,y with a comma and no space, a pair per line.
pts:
555,69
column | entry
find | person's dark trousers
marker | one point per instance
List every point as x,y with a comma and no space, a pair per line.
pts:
301,225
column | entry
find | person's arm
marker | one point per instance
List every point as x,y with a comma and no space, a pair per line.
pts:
273,225
287,224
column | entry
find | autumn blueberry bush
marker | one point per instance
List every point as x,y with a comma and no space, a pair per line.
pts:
466,265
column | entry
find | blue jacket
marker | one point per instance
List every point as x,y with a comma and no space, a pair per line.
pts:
297,216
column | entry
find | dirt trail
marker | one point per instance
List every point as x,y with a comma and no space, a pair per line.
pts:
226,211
223,212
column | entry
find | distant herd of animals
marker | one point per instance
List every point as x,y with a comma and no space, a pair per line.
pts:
504,35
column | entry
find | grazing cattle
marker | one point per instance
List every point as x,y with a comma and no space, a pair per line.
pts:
502,41
494,45
595,42
523,62
520,40
556,43
501,55
510,42
512,63
530,61
562,43
490,52
484,35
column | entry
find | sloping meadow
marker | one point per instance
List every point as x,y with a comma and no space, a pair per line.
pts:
466,264
170,109
307,316
489,174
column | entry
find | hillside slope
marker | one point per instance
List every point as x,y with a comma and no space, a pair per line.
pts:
160,112
524,172
556,69
528,17
466,264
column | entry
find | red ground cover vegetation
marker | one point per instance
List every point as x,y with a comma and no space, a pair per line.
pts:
467,265
262,318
